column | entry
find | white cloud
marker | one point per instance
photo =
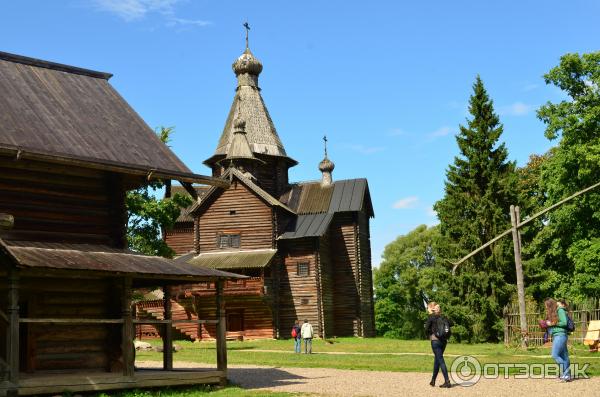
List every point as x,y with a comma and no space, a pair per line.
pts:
366,149
407,202
516,109
132,10
440,132
189,22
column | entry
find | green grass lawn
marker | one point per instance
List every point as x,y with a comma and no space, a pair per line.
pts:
281,354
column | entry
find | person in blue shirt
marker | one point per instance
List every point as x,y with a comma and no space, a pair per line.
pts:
556,319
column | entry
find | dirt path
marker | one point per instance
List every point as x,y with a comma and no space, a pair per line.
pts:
337,382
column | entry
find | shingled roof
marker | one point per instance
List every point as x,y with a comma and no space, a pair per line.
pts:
100,258
248,105
58,112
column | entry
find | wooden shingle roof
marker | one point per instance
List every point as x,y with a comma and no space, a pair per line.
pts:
100,258
232,259
59,112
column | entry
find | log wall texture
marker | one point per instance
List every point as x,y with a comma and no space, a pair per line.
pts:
252,219
181,238
70,346
327,286
60,203
367,312
345,275
298,294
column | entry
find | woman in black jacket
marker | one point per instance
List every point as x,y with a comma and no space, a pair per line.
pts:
438,344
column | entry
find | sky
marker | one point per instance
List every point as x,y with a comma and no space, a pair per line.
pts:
387,81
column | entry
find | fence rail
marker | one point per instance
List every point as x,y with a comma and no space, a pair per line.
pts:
582,314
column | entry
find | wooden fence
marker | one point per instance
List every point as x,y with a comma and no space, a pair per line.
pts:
582,314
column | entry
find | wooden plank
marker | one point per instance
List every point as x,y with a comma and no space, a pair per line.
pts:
127,347
168,331
71,320
12,340
221,330
90,382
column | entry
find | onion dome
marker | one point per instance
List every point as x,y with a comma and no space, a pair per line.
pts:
326,165
247,63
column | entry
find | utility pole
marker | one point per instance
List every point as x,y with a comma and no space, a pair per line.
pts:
516,235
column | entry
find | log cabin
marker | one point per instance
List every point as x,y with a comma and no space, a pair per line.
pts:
304,246
70,149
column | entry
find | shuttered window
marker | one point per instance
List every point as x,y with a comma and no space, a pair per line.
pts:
302,270
229,241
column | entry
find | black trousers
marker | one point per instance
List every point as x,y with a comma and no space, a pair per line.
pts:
438,347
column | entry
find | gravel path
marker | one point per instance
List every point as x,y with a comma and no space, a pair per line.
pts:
337,382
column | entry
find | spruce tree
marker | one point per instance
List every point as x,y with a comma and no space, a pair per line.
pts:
480,187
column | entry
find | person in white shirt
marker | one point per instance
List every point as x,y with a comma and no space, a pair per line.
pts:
307,335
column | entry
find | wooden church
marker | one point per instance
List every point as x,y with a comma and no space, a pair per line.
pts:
304,246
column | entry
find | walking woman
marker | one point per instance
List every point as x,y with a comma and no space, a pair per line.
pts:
437,329
556,318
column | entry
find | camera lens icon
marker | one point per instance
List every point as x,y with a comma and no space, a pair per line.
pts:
465,371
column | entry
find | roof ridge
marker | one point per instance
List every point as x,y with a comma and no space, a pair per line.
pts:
53,65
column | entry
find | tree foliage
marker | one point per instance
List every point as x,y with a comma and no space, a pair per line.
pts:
407,279
480,187
148,214
566,249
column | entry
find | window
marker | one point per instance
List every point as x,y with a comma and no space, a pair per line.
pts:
232,212
302,270
304,301
229,240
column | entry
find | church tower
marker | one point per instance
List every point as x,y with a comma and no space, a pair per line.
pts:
269,163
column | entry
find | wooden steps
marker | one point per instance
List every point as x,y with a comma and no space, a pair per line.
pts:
155,310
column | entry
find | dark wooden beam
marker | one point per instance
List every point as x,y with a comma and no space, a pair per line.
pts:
221,333
128,348
190,189
168,331
12,340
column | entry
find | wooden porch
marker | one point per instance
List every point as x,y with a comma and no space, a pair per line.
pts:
19,377
52,383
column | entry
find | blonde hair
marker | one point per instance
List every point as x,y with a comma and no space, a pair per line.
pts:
431,307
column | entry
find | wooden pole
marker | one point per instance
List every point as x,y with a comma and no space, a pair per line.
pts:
12,340
127,348
168,331
221,333
514,218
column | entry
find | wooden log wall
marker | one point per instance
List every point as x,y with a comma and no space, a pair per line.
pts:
367,311
257,316
298,294
61,203
181,238
327,286
344,263
252,219
70,347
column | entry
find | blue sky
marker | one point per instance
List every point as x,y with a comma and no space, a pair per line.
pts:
387,81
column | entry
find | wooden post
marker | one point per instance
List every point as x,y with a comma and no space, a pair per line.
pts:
12,340
514,218
168,331
221,333
127,345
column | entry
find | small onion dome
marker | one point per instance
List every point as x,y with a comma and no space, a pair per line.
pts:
326,165
247,63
